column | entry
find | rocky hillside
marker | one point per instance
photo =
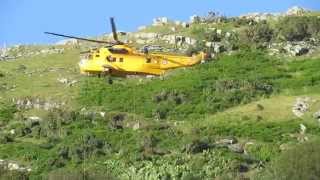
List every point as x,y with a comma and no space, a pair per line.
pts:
293,33
252,112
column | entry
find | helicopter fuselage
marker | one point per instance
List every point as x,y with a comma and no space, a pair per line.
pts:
124,60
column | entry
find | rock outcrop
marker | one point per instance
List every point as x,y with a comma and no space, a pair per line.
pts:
13,166
296,11
300,107
37,103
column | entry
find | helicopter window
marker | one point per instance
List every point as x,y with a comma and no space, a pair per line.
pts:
121,60
97,55
90,56
118,51
148,60
114,59
109,58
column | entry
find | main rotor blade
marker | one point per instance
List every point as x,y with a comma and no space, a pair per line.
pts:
79,38
114,29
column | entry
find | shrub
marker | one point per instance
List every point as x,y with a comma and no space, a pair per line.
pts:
260,107
238,22
88,174
299,28
262,152
198,31
300,162
200,46
13,175
314,27
260,33
6,112
6,138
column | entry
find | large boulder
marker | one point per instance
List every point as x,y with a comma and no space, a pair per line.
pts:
67,42
191,41
195,19
300,107
146,35
197,146
236,148
217,47
226,141
296,11
160,21
316,115
37,103
297,50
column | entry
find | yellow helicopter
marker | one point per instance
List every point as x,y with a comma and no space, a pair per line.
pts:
120,59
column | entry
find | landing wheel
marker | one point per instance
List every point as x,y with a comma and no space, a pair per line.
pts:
109,80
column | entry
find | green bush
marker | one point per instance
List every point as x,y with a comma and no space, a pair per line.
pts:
262,152
200,46
299,28
6,112
88,174
314,27
300,162
259,33
13,175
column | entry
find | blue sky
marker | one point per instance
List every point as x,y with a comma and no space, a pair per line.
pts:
24,21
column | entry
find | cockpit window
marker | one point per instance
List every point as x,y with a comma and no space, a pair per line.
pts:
118,50
109,58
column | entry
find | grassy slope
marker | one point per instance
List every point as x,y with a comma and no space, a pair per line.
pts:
233,111
39,79
205,102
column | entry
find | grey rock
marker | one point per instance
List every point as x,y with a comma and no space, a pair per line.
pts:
218,48
191,41
284,147
13,166
68,82
219,32
299,50
227,141
143,35
68,42
197,147
316,115
140,41
36,103
258,17
237,148
300,107
185,25
178,23
160,21
296,11
303,129
195,19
